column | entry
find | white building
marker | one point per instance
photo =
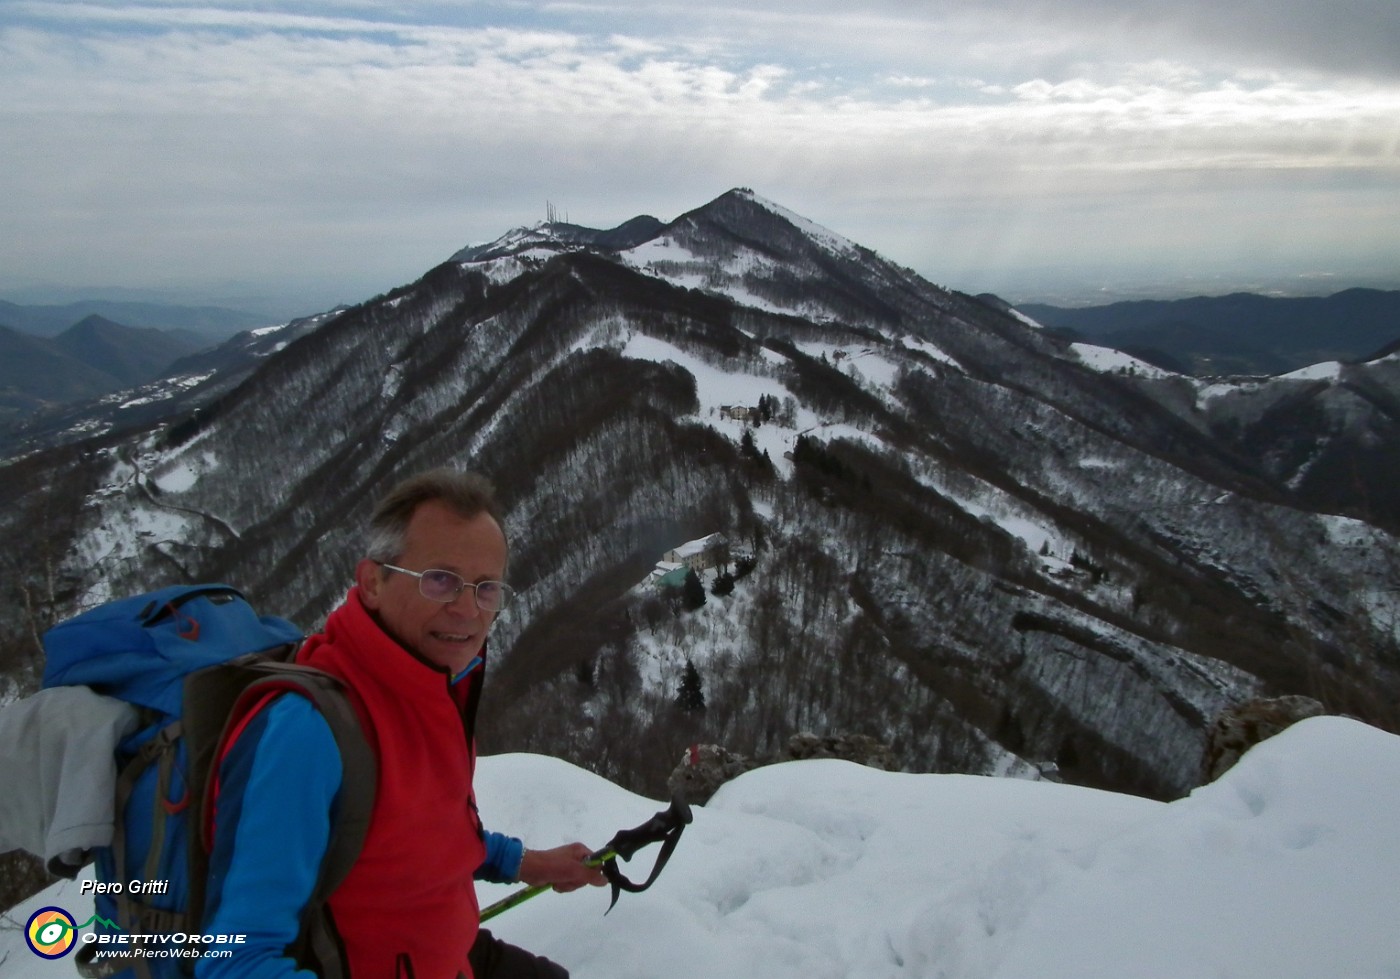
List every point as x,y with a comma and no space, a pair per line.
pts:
699,555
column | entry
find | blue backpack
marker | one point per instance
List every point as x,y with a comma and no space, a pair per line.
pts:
195,660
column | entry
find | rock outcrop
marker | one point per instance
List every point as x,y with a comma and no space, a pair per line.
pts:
706,767
1241,727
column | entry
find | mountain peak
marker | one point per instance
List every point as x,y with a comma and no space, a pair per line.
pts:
93,325
740,245
130,354
560,236
741,204
737,212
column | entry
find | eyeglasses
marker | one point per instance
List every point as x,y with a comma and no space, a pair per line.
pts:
437,585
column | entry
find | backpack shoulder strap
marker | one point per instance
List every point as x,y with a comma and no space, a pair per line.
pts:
219,700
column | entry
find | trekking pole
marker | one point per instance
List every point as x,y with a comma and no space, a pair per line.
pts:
665,828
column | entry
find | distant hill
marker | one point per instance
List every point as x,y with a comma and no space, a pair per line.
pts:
210,323
182,381
92,357
1237,334
131,355
41,370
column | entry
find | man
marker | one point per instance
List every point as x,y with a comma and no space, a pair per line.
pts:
410,643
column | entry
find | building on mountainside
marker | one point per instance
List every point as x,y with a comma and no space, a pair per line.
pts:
696,555
738,413
700,555
667,574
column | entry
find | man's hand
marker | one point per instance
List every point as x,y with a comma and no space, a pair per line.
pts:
562,868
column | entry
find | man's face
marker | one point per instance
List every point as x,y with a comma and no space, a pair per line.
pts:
451,634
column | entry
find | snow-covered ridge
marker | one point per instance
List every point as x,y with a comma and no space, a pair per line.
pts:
811,229
1028,321
1330,370
519,239
1106,360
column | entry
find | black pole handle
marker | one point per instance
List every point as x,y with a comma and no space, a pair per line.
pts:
664,828
657,829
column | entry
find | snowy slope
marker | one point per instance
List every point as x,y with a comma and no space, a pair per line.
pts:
1283,869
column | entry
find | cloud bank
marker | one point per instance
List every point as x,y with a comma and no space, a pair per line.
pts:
348,147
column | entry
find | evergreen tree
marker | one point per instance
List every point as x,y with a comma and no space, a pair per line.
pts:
690,697
583,672
724,584
693,592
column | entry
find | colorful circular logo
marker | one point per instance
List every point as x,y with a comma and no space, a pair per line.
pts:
51,933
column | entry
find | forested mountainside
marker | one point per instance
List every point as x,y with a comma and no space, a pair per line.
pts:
944,527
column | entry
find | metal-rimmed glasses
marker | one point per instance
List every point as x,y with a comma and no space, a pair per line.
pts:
437,585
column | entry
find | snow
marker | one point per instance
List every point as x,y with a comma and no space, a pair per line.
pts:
393,380
716,388
162,390
686,270
1210,391
862,362
1028,321
830,239
683,267
185,473
1214,388
507,268
1329,371
1013,516
914,343
1109,361
1285,868
124,531
667,259
1350,532
693,547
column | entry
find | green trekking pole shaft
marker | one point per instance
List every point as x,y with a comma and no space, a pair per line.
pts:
525,893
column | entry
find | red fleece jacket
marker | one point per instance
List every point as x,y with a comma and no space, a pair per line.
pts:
408,907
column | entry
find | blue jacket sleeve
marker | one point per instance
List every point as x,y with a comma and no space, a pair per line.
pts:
502,863
272,828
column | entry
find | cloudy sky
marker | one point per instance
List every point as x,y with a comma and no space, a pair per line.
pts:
1042,149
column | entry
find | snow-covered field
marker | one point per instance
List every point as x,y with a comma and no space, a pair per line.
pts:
1286,868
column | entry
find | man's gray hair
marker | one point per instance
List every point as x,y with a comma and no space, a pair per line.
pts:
466,494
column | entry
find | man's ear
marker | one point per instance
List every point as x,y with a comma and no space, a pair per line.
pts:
369,578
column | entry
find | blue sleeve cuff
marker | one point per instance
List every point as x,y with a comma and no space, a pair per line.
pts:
503,856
